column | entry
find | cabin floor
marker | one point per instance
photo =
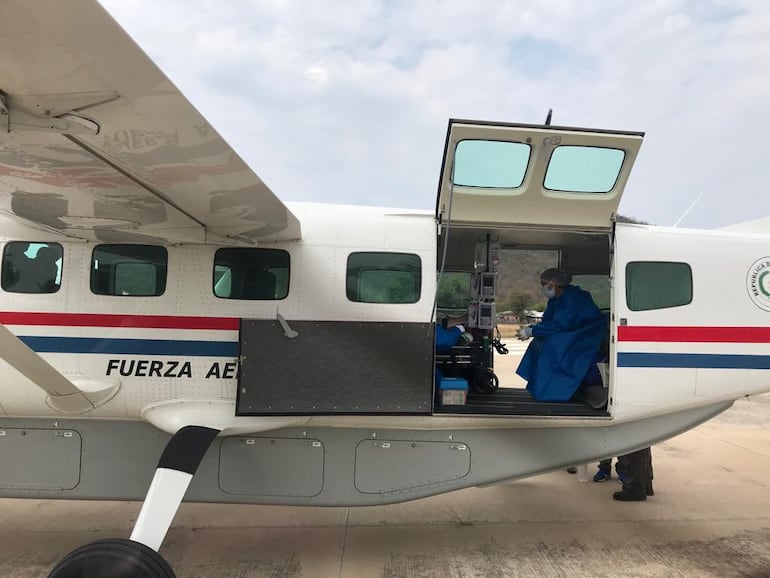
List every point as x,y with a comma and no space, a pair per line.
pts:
517,401
511,398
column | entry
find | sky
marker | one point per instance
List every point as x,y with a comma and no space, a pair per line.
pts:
348,102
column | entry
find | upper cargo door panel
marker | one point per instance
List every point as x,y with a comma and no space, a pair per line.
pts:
513,174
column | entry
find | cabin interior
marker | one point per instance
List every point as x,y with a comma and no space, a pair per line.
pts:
506,262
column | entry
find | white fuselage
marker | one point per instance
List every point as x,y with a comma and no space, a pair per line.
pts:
661,360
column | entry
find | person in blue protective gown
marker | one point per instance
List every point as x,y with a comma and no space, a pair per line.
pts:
566,343
450,332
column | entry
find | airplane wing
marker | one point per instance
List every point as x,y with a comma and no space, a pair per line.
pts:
96,143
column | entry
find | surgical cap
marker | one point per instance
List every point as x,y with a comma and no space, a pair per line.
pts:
556,276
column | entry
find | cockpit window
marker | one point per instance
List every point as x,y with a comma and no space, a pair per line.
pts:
31,267
490,164
583,169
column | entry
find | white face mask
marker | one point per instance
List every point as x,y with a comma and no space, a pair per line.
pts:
549,292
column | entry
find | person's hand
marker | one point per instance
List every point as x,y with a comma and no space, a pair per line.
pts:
461,328
524,333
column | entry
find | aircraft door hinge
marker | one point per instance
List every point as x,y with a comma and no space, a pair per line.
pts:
287,331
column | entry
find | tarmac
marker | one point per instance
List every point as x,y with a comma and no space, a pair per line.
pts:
710,516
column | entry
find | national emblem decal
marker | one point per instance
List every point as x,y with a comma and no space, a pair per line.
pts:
758,283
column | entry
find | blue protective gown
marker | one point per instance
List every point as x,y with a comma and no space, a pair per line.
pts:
565,345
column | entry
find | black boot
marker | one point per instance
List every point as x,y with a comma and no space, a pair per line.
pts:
638,468
626,495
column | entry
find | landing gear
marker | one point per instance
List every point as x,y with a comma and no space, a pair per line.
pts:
138,557
117,558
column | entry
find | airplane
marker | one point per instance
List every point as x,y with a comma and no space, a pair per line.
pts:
171,330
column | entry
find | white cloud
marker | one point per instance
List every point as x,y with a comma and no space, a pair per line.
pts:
349,102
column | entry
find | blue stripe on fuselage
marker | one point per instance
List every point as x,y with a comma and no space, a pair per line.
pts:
131,346
693,360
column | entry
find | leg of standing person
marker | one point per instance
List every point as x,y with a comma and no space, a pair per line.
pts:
605,471
638,469
621,472
648,486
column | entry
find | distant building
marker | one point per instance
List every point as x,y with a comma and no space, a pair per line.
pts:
507,317
533,316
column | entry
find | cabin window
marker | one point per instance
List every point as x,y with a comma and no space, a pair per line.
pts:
490,164
453,290
256,274
32,267
129,270
582,169
383,277
657,285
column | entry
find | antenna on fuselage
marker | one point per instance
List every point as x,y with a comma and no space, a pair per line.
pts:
548,117
690,208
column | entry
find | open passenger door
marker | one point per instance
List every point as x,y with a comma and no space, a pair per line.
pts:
533,175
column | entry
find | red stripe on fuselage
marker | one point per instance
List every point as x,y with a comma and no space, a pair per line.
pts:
114,320
694,334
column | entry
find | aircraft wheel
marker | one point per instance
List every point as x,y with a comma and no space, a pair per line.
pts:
485,380
115,558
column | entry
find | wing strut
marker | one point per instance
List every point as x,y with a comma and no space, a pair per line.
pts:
63,395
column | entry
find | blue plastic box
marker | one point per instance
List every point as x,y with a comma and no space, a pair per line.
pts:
454,390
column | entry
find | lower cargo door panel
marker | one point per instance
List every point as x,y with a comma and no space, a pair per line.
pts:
335,367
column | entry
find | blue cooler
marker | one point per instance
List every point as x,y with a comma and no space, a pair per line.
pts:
454,390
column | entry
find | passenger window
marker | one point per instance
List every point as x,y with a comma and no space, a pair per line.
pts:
657,285
383,277
129,270
32,267
256,274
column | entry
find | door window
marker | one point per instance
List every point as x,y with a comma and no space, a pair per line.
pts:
490,164
657,285
583,169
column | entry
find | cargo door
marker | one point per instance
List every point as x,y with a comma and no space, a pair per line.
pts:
503,175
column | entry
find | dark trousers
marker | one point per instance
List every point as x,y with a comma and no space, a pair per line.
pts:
638,469
606,466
